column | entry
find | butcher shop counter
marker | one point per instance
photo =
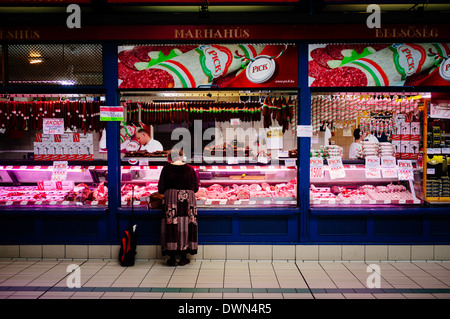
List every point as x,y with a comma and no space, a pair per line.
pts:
33,208
236,203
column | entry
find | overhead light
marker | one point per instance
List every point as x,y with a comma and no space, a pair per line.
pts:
35,57
35,60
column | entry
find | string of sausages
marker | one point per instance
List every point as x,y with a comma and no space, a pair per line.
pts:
280,109
180,112
20,115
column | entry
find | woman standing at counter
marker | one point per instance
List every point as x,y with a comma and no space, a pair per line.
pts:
179,233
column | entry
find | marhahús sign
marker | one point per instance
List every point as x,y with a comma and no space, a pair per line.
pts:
223,65
395,64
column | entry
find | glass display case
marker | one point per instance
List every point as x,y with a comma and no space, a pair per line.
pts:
358,186
367,149
235,186
36,186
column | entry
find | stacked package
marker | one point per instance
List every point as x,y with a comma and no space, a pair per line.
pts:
439,187
386,149
333,150
370,148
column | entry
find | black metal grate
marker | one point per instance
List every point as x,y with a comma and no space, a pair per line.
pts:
55,64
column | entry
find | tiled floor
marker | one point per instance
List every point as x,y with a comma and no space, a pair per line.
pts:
205,279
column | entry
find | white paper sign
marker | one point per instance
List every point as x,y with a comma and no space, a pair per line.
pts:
373,167
53,126
316,167
59,170
405,170
336,167
304,131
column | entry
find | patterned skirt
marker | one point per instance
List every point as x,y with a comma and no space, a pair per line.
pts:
179,230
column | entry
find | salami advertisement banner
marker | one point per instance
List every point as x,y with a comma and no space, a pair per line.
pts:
379,64
221,65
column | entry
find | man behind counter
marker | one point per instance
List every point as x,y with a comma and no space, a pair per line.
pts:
147,144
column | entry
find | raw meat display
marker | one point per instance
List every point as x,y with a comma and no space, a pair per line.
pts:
367,193
246,191
81,193
140,193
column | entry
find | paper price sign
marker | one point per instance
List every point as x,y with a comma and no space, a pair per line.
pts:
388,162
316,167
53,126
405,170
336,168
373,172
389,172
373,167
59,170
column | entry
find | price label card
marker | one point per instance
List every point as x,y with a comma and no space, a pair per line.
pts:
59,172
373,167
304,131
389,172
252,202
208,202
237,202
66,202
336,168
405,170
94,203
223,202
24,202
388,162
316,167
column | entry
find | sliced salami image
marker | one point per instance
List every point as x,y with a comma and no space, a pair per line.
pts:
358,65
191,66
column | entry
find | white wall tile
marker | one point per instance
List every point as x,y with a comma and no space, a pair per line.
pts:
422,252
214,252
442,252
307,252
30,251
76,251
376,252
9,251
263,252
54,251
99,251
399,252
353,252
238,252
283,252
330,252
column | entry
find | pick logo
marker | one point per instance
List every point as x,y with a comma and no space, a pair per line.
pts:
261,69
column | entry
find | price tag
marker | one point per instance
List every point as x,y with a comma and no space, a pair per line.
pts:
417,201
387,201
237,202
372,201
279,202
9,203
9,167
316,167
358,201
94,203
24,202
53,202
208,202
223,202
136,203
38,202
336,168
252,202
402,201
